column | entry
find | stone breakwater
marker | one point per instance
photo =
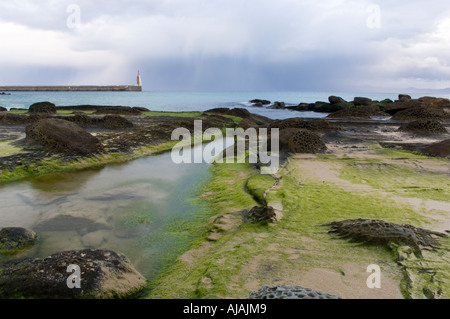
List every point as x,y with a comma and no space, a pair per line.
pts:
63,88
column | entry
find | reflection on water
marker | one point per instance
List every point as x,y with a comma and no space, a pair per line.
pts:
119,207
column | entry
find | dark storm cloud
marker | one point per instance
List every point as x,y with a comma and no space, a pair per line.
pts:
229,45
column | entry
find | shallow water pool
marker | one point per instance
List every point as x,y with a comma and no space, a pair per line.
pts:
140,208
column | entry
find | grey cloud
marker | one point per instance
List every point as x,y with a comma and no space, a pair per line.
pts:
232,44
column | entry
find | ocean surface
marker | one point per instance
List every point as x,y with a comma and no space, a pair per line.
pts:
186,101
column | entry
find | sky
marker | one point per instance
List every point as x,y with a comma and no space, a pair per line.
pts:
228,45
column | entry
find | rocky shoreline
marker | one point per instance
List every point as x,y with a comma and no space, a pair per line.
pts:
44,134
362,107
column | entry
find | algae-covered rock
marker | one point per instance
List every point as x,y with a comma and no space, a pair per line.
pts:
297,140
116,122
382,232
240,112
63,136
13,239
43,107
259,102
289,292
404,98
421,113
364,101
336,100
423,127
124,110
304,141
365,112
435,102
104,274
278,106
260,214
312,125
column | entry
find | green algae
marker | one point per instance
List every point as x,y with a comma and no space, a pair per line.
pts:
305,209
221,271
257,186
174,114
7,148
398,179
57,164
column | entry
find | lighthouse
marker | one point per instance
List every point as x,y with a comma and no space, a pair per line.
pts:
139,82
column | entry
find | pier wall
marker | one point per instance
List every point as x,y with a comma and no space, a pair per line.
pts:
93,88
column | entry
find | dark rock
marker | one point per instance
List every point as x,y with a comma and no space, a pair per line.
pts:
3,109
120,110
216,120
304,141
219,110
423,127
322,107
360,113
116,122
63,136
260,214
336,100
302,107
317,125
11,118
404,98
258,102
438,149
81,119
43,107
364,101
105,274
13,239
105,109
421,113
245,124
19,119
381,232
284,138
240,112
289,292
435,102
141,109
335,107
278,106
287,123
149,135
397,106
259,119
313,125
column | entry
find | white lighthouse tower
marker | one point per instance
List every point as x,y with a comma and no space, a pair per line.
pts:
139,82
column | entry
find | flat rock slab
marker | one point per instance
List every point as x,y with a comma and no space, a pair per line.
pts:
289,292
104,274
